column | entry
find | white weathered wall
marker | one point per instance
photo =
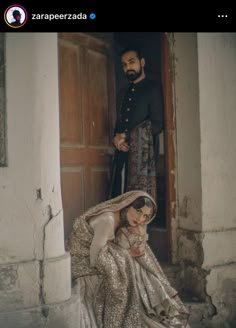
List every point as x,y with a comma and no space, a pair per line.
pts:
217,86
34,268
205,98
217,80
187,130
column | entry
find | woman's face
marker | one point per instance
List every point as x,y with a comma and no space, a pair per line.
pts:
138,216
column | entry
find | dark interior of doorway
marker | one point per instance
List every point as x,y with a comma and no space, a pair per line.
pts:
150,45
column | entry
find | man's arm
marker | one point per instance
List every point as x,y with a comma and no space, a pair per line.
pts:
157,115
103,227
120,137
157,109
119,126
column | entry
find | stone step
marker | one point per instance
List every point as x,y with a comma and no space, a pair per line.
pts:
200,312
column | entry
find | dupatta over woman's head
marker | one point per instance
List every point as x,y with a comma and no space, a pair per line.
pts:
81,234
120,202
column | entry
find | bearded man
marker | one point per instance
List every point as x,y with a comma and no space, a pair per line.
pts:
138,125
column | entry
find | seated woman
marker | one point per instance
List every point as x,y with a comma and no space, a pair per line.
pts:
118,278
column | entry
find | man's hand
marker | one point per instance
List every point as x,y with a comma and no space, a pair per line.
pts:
120,143
124,147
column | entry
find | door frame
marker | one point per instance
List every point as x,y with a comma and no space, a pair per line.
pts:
169,141
170,147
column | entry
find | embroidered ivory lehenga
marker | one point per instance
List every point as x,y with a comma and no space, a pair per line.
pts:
115,289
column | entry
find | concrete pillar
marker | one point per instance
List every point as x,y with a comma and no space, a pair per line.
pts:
34,267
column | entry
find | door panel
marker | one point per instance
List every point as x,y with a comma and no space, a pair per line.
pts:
70,94
86,105
98,100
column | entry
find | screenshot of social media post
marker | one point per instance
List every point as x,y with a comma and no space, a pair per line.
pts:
114,16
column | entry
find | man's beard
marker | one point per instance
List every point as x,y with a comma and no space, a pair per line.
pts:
132,77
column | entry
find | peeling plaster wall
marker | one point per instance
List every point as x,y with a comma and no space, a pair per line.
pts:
205,98
217,81
34,267
221,286
33,148
217,76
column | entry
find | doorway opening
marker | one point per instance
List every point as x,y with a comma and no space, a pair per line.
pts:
90,75
151,44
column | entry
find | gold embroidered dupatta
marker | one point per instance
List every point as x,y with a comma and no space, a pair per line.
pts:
134,292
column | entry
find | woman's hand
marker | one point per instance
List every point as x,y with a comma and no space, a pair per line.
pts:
136,230
137,249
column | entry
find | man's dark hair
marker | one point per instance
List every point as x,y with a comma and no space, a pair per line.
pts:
135,49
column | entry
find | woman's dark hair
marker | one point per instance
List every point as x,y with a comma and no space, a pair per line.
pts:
142,201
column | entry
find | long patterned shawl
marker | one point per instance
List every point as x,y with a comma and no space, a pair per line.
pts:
133,292
141,171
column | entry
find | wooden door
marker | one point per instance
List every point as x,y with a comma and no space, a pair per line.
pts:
86,86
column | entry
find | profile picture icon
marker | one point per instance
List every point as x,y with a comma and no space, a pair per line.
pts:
15,16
